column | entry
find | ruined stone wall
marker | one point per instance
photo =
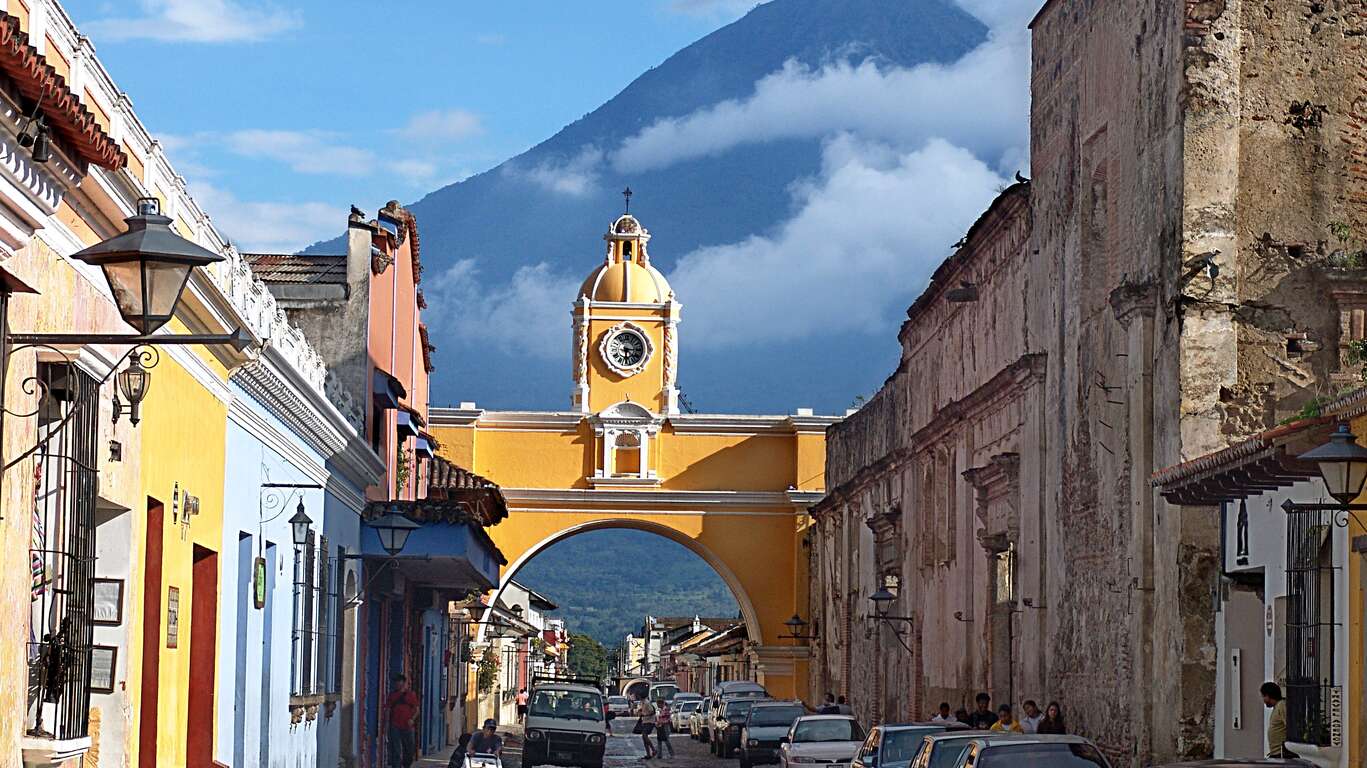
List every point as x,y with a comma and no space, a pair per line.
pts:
900,503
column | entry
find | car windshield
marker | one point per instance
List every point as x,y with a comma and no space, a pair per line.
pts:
617,701
900,747
688,706
772,716
737,708
572,705
828,730
1041,756
946,754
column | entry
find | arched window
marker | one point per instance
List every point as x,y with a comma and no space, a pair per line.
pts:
626,455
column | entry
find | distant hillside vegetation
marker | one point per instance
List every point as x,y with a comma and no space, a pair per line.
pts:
606,582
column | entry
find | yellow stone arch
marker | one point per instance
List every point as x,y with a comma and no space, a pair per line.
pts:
733,489
754,627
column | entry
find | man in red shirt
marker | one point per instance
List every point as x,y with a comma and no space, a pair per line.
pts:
403,713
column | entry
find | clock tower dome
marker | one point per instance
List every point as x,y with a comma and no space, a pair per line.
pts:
626,329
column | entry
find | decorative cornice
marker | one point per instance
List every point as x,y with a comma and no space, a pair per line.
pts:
620,497
1027,368
275,384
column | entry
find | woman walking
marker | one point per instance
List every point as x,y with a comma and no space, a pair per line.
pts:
1053,719
663,724
645,725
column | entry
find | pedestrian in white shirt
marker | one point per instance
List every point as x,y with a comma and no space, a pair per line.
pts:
1030,722
944,715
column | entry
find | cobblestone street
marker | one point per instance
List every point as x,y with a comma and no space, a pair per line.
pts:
624,749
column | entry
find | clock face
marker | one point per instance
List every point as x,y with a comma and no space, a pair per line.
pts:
627,349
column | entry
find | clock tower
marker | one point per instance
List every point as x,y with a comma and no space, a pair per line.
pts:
626,329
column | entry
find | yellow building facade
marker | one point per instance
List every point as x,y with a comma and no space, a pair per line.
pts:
733,489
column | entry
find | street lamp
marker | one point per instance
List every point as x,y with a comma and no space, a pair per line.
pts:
147,266
1342,464
393,530
300,525
795,627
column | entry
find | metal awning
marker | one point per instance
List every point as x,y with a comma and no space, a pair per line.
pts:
387,390
404,426
422,448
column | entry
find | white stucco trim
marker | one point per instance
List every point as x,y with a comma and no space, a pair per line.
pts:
197,368
599,497
310,465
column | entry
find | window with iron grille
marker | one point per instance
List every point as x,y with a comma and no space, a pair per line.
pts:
1310,627
305,605
62,553
322,625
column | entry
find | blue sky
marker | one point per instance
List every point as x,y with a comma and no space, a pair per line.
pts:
306,107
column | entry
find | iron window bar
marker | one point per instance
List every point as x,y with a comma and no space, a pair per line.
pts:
1310,625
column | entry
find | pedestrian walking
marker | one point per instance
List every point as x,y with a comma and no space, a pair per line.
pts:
645,725
663,724
944,716
842,707
402,704
1053,720
982,717
1276,724
1032,717
1006,723
522,699
828,706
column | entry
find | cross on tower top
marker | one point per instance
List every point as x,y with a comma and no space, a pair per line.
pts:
626,193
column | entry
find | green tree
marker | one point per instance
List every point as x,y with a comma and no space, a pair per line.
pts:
588,657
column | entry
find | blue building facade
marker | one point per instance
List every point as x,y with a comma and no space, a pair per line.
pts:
288,631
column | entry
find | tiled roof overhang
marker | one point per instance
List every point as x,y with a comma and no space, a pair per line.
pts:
36,80
1265,462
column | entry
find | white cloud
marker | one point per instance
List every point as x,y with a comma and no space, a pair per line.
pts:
865,238
573,177
981,101
527,315
196,21
415,171
442,125
303,151
268,227
713,8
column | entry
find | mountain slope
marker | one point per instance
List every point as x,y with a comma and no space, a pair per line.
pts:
509,217
607,597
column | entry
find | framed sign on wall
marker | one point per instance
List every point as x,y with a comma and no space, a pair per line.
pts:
107,596
259,583
104,661
173,617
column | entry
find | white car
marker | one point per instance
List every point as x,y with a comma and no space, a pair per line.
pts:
682,709
821,740
619,706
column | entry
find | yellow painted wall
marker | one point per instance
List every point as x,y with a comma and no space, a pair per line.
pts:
183,431
606,388
759,550
1356,695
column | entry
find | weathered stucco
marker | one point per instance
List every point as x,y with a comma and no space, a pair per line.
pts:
1165,139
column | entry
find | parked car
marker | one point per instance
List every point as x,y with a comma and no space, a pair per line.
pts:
1015,750
619,706
821,739
666,691
1237,763
942,750
698,721
893,746
767,723
681,711
727,722
738,688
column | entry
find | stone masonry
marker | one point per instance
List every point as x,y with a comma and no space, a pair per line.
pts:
1193,273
